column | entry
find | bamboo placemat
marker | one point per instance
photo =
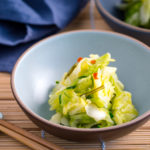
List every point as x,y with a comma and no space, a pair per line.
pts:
137,140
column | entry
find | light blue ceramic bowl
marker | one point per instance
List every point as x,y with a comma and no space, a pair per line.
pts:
40,66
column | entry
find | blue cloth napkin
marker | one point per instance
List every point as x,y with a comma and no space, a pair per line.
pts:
24,22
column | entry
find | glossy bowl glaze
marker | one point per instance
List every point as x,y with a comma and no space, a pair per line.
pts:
41,65
114,18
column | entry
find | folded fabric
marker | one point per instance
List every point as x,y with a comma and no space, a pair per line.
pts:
23,22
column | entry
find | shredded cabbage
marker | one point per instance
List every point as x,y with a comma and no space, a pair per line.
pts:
91,96
136,12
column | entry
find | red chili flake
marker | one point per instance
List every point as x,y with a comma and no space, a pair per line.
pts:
79,59
95,75
93,61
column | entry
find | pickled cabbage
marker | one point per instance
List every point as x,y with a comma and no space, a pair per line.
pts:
90,95
136,12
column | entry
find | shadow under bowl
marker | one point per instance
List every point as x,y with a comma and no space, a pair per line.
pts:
114,19
40,66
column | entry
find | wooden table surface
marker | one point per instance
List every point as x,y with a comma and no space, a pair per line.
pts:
137,140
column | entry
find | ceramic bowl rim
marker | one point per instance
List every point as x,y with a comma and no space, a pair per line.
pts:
34,115
99,5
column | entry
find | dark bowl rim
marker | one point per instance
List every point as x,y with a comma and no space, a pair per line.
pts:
99,5
35,116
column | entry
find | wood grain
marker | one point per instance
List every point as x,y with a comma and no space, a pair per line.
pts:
137,140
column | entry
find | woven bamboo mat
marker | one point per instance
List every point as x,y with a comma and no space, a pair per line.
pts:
137,140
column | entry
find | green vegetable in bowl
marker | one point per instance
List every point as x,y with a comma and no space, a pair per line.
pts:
90,95
136,12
